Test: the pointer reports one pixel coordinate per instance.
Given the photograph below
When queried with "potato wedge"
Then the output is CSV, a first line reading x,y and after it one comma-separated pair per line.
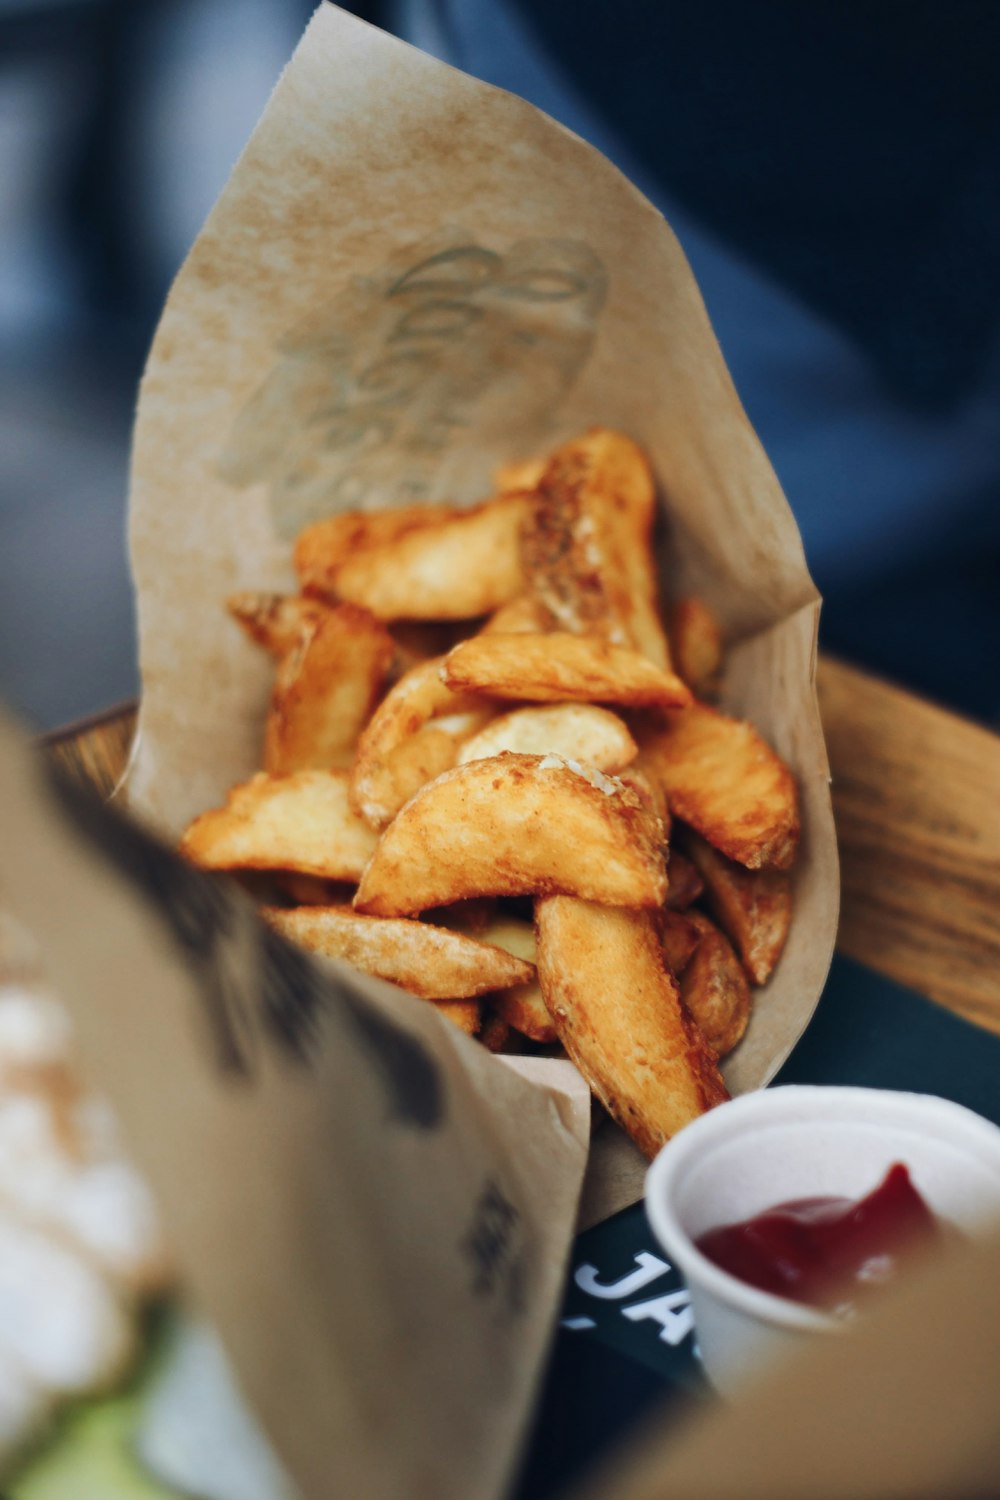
x,y
522,475
495,1032
325,690
580,731
523,615
684,884
300,822
467,1015
618,1014
453,565
753,907
559,667
696,645
723,779
679,937
276,621
714,988
522,1005
587,543
432,962
516,825
393,759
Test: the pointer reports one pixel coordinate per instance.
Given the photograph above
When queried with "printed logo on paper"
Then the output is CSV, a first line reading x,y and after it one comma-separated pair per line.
x,y
371,401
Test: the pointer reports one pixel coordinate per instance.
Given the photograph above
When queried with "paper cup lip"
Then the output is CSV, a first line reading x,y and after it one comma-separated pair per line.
x,y
787,1106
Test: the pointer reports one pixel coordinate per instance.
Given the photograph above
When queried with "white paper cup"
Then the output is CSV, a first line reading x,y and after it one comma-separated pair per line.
x,y
781,1144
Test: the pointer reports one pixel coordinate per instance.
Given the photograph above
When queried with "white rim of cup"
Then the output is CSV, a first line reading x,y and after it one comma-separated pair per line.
x,y
773,1105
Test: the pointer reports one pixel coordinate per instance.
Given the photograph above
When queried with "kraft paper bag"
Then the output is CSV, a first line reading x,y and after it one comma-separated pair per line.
x,y
410,278
372,1210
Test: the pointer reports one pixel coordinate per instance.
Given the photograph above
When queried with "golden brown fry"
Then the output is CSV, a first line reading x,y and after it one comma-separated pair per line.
x,y
276,621
322,548
516,825
557,668
431,962
714,988
618,1014
452,565
696,644
300,822
397,754
521,475
587,543
522,1005
723,779
649,791
580,731
525,614
467,1015
325,690
753,907
684,884
679,937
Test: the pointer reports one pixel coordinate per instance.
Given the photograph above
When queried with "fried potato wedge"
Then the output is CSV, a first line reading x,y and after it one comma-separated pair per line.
x,y
587,543
300,822
432,962
723,779
696,645
523,615
684,884
714,988
325,690
401,750
516,825
618,1013
522,1006
753,907
452,565
679,937
467,1015
522,475
580,731
276,621
559,667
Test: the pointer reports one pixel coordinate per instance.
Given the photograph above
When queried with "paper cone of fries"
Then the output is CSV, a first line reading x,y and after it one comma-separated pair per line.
x,y
364,413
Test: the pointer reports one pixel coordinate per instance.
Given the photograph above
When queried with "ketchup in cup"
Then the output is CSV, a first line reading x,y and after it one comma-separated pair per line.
x,y
827,1251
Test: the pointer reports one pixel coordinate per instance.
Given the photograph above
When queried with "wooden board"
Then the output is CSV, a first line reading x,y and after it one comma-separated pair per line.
x,y
916,795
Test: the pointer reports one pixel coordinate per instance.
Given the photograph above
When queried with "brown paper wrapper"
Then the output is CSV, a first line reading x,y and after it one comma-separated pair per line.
x,y
380,1249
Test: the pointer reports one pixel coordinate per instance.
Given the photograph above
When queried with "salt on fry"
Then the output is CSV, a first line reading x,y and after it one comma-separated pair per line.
x,y
581,731
516,825
586,543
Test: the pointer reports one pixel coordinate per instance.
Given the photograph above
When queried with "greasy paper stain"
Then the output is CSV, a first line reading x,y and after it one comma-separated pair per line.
x,y
367,396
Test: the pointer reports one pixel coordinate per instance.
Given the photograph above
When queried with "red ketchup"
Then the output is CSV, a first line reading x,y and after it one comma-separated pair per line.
x,y
827,1251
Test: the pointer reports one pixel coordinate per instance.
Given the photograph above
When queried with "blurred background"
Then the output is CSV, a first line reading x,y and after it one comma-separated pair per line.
x,y
832,170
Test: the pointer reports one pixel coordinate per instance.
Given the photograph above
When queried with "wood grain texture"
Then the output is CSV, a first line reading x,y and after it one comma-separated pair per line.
x,y
916,798
916,795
